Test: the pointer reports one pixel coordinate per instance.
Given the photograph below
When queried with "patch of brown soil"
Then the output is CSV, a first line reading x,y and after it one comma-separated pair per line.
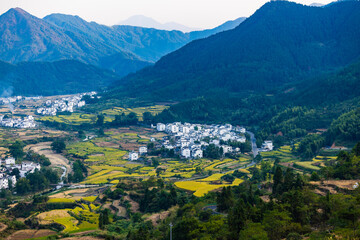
x,y
30,233
134,205
3,227
121,210
265,198
107,144
342,184
55,159
156,218
83,238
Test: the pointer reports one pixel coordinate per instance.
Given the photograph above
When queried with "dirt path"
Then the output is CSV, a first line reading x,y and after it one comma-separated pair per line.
x,y
134,205
26,234
3,227
55,159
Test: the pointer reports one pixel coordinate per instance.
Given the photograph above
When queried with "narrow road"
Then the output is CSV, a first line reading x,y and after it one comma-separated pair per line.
x,y
255,150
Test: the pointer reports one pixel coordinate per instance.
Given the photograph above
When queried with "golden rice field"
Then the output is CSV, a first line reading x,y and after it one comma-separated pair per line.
x,y
107,173
284,154
319,161
74,118
307,165
202,188
139,111
71,224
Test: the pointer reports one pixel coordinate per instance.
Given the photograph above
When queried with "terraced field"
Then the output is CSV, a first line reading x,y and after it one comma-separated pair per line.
x,y
66,217
139,111
74,118
200,188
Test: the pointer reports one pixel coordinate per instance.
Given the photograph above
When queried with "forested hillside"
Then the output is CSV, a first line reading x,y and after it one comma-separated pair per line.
x,y
266,51
53,78
123,49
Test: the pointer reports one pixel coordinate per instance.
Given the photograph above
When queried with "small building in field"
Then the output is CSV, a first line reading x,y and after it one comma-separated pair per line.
x,y
267,146
143,150
133,156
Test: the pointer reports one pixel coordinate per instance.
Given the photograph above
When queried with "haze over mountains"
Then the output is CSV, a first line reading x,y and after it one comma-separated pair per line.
x,y
147,22
283,42
122,49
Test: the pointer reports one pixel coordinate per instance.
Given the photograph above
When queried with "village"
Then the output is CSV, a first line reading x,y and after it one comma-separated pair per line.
x,y
10,122
10,100
65,104
7,176
189,140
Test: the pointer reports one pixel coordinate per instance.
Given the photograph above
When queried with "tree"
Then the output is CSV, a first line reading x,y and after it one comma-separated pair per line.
x,y
15,172
58,146
253,231
237,218
100,120
104,218
23,186
17,150
314,176
276,224
155,162
148,118
225,199
278,180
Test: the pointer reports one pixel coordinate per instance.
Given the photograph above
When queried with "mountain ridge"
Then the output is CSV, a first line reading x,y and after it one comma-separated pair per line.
x,y
24,37
265,51
147,22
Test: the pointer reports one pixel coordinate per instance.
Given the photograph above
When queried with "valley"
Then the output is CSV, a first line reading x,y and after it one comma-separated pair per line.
x,y
249,130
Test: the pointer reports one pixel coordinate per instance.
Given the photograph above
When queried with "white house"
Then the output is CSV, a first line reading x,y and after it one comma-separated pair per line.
x,y
197,153
267,146
186,153
226,149
240,129
133,156
143,150
10,161
4,183
160,127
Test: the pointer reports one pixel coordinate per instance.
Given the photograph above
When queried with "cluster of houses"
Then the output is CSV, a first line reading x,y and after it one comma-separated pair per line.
x,y
25,122
8,165
9,100
189,140
65,104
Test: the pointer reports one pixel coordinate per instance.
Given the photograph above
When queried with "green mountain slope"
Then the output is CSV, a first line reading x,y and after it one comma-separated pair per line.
x,y
281,43
52,78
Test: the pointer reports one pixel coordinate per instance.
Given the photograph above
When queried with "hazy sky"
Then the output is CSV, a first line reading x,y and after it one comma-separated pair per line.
x,y
192,13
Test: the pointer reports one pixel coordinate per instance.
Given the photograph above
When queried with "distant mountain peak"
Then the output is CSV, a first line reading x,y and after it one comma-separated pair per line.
x,y
148,22
317,5
17,11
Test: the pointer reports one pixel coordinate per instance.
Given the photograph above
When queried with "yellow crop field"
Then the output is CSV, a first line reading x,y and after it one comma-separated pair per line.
x,y
61,200
74,118
89,199
214,177
139,110
201,188
69,222
307,165
94,153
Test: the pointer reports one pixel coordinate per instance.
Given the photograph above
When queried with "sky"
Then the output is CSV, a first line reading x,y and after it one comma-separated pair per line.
x,y
200,14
